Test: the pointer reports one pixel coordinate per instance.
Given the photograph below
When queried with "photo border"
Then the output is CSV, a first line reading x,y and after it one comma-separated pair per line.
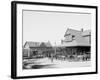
x,y
14,38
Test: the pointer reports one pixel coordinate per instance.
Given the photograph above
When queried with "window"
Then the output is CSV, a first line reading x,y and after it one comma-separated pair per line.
x,y
73,37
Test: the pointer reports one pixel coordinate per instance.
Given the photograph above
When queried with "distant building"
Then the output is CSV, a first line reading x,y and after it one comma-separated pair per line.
x,y
30,44
77,42
35,48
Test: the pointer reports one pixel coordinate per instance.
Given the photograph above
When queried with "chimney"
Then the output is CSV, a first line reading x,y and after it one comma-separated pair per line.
x,y
82,29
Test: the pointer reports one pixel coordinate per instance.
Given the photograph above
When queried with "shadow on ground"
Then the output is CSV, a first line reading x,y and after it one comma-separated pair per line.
x,y
40,66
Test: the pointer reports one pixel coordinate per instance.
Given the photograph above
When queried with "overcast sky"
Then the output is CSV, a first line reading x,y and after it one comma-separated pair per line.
x,y
39,26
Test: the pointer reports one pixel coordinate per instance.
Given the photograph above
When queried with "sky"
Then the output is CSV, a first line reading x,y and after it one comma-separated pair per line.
x,y
42,26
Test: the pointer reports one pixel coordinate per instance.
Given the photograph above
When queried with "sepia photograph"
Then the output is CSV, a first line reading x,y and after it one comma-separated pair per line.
x,y
53,39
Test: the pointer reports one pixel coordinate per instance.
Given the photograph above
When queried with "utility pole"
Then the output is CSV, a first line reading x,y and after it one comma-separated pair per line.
x,y
90,38
55,47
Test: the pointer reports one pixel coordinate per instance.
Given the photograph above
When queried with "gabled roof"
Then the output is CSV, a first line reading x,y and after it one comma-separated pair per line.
x,y
32,44
48,44
38,44
86,32
45,44
71,31
81,41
